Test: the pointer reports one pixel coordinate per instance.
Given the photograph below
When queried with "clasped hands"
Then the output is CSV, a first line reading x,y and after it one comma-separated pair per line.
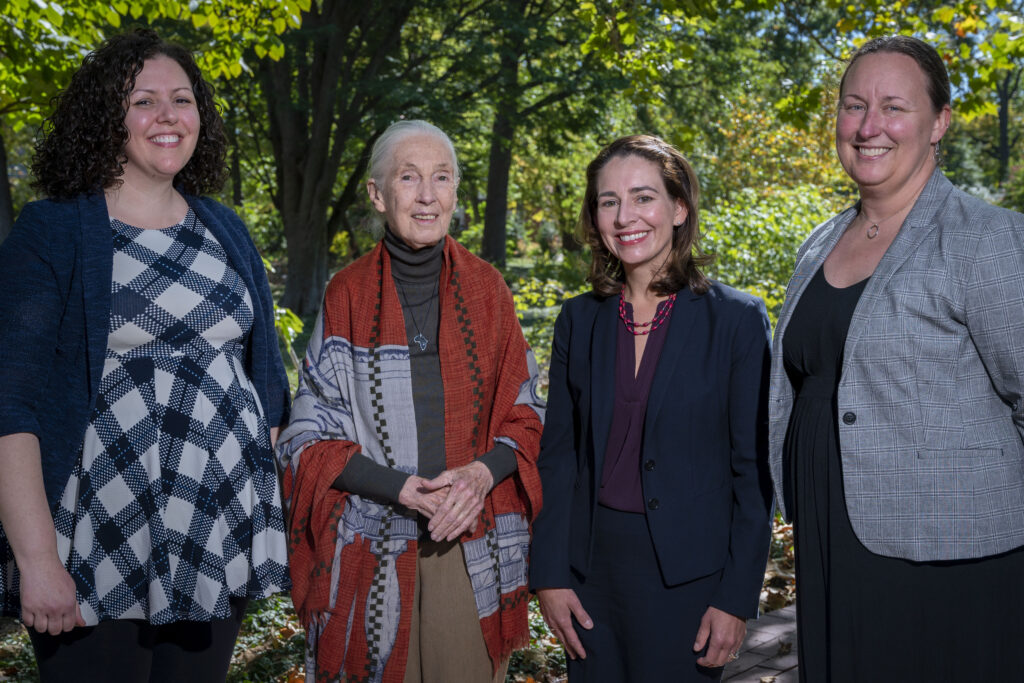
x,y
452,500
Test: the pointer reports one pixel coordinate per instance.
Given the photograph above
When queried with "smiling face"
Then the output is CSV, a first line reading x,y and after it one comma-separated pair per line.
x,y
635,214
887,127
417,194
162,121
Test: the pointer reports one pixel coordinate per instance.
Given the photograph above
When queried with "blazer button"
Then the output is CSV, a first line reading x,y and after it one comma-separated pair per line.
x,y
653,504
849,417
649,465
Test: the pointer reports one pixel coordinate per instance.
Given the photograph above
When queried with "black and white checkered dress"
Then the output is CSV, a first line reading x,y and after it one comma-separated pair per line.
x,y
175,505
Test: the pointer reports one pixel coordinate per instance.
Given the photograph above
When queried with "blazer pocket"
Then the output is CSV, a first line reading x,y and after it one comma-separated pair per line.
x,y
961,454
975,473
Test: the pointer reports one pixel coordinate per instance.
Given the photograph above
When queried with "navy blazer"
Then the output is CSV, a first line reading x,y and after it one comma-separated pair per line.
x,y
705,475
55,274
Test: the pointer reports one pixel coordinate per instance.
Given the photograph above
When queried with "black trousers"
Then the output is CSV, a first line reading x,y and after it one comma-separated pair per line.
x,y
135,651
643,629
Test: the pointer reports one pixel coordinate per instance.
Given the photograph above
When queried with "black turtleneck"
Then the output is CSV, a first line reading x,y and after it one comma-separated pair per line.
x,y
416,274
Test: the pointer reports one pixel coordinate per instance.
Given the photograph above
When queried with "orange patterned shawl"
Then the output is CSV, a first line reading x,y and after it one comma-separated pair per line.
x,y
353,560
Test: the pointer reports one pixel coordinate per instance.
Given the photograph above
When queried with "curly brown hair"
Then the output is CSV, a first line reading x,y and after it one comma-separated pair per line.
x,y
682,268
81,145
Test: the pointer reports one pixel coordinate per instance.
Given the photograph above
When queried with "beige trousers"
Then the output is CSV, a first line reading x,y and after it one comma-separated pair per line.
x,y
446,644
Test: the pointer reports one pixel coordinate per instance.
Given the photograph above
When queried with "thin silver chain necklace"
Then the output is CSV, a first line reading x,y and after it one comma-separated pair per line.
x,y
420,339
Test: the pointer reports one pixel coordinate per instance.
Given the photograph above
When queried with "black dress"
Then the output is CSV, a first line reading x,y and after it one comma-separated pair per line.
x,y
861,617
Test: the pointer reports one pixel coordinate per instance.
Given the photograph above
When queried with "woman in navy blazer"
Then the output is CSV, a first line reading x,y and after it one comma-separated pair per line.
x,y
140,385
649,553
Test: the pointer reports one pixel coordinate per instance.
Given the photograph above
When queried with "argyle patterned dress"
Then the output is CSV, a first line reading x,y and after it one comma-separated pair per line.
x,y
174,506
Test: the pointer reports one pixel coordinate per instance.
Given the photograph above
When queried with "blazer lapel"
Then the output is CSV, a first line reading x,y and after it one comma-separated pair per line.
x,y
809,264
97,269
684,316
602,376
917,226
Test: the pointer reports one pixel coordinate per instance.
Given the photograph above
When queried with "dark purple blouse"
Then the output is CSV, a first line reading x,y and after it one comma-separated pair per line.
x,y
620,478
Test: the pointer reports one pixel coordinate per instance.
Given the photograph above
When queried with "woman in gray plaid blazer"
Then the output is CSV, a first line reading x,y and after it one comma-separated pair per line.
x,y
897,420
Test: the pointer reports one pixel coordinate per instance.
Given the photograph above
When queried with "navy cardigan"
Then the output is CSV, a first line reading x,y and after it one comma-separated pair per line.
x,y
55,274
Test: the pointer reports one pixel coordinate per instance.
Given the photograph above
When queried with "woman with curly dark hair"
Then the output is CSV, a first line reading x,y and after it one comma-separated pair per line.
x,y
141,387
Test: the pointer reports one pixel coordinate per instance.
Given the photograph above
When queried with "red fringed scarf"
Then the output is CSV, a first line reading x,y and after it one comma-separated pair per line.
x,y
489,393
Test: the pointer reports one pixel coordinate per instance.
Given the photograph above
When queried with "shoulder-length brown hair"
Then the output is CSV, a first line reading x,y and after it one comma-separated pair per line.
x,y
682,268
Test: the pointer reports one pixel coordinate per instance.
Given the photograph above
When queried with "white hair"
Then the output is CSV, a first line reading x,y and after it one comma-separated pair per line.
x,y
384,149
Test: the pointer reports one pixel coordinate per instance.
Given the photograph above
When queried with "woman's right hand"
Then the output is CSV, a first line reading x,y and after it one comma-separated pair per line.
x,y
48,600
559,606
415,495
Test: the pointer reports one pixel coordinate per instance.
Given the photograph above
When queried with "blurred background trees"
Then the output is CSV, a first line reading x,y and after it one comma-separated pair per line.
x,y
529,90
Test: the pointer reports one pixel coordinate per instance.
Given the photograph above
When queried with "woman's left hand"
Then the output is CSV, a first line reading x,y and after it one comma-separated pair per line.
x,y
723,634
458,514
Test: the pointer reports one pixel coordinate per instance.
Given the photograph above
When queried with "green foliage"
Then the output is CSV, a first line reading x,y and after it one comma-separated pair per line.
x,y
42,41
755,237
270,645
17,661
540,285
289,327
544,660
980,41
1014,196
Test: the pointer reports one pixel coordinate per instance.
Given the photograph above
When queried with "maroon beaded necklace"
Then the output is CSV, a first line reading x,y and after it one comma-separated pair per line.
x,y
654,323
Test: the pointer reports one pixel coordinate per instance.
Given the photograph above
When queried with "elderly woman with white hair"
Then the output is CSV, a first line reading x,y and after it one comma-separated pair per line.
x,y
410,460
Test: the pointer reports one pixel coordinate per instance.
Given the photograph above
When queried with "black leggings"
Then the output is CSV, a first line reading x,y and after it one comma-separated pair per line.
x,y
135,651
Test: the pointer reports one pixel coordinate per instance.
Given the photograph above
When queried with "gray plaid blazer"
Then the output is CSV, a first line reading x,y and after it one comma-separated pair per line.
x,y
929,409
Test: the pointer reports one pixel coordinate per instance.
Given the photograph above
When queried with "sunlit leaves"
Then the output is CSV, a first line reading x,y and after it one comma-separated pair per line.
x,y
42,42
756,236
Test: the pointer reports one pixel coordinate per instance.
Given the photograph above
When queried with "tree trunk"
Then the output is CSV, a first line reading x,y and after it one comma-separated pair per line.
x,y
316,107
1005,92
306,235
499,163
498,167
6,203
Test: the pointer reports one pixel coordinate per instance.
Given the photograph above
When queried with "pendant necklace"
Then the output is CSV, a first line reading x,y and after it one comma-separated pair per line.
x,y
872,230
421,340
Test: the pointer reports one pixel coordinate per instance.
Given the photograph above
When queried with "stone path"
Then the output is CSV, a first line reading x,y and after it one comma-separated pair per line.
x,y
768,654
